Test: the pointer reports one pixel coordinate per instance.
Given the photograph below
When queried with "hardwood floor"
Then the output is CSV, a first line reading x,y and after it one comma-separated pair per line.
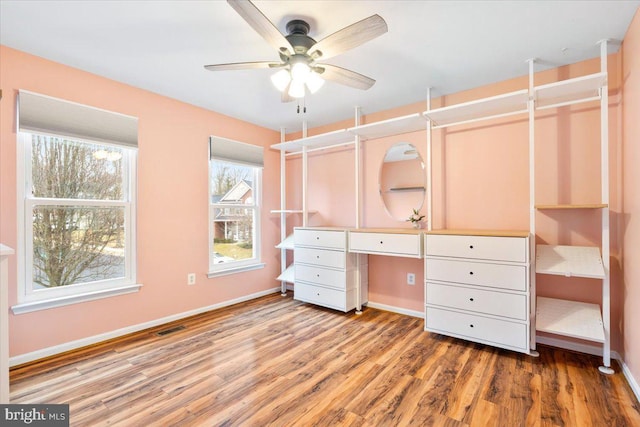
x,y
275,361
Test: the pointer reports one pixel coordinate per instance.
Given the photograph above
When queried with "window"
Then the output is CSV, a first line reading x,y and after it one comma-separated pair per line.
x,y
77,213
235,177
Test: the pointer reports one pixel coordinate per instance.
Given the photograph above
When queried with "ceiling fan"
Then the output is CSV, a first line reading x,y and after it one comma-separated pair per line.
x,y
298,52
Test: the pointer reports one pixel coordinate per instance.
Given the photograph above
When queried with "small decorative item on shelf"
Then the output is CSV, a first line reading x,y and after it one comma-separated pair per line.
x,y
416,218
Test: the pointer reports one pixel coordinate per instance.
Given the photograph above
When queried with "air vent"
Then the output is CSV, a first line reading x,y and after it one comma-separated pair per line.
x,y
170,330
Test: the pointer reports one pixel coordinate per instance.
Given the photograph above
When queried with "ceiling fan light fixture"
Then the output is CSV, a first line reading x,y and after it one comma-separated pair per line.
x,y
281,79
296,90
314,82
300,71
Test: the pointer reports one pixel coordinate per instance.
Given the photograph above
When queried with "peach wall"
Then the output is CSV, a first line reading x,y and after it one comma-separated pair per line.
x,y
631,211
172,234
481,180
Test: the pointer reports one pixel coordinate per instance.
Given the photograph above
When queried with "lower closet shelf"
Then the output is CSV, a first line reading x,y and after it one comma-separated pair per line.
x,y
569,318
288,275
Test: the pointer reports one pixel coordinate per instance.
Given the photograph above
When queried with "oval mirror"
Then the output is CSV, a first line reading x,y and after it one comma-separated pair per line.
x,y
402,180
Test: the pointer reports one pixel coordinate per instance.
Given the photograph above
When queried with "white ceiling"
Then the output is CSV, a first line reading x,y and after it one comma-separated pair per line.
x,y
450,46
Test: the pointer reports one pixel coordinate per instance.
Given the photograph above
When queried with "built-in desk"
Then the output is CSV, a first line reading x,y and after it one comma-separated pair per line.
x,y
401,242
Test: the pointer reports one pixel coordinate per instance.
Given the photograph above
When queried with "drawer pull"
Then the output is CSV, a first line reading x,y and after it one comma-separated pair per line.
x,y
471,273
381,242
318,294
317,256
470,246
471,299
317,237
317,275
471,326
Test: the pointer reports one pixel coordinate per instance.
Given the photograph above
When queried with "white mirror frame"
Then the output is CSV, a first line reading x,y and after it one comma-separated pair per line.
x,y
402,181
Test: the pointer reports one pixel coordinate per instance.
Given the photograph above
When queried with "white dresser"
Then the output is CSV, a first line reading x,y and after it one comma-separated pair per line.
x,y
325,273
477,287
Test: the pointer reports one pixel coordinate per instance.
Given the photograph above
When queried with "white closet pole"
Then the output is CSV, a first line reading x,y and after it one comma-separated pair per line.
x,y
429,166
305,164
532,211
357,168
357,223
283,214
604,170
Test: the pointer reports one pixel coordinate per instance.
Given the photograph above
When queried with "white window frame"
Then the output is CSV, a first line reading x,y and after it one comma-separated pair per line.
x,y
30,300
245,264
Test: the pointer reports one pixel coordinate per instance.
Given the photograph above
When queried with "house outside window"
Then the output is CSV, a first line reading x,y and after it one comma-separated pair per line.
x,y
234,207
76,209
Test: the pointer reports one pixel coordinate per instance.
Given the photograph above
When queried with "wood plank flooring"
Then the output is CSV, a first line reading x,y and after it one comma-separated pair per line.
x,y
275,361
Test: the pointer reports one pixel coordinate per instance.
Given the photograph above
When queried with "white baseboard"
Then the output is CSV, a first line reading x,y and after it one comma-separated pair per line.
x,y
61,348
394,309
629,376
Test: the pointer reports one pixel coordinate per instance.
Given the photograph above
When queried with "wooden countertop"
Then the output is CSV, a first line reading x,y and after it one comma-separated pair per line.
x,y
461,232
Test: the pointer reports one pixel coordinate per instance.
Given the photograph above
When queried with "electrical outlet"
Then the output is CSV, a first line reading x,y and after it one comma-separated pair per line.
x,y
191,279
411,279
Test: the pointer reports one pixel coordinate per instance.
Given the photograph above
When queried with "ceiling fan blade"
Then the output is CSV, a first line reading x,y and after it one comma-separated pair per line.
x,y
349,37
346,77
261,24
242,66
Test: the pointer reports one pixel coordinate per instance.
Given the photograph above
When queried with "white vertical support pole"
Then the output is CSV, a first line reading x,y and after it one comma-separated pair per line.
x,y
357,167
604,180
283,214
429,166
357,222
429,195
531,107
305,166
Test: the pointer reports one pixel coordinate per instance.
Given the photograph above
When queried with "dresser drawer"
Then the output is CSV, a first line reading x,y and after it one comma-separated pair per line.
x,y
512,249
332,298
320,257
320,238
477,300
320,275
513,277
397,244
477,328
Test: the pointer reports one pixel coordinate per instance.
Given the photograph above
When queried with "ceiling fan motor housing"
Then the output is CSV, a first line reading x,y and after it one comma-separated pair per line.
x,y
297,31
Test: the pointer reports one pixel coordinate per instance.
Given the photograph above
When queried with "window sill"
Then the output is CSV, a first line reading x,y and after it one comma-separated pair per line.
x,y
29,307
234,270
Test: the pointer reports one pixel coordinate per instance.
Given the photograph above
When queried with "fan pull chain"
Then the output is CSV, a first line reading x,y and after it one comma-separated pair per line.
x,y
304,106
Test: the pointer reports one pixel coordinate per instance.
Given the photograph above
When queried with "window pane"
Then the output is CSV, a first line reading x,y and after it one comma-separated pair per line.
x,y
231,183
232,236
67,169
77,245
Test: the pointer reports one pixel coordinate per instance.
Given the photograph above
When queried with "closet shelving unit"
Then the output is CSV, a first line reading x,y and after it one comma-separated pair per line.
x,y
341,137
567,317
574,319
490,108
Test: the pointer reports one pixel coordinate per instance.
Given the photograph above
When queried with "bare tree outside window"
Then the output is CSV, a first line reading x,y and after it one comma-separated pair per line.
x,y
76,242
225,176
